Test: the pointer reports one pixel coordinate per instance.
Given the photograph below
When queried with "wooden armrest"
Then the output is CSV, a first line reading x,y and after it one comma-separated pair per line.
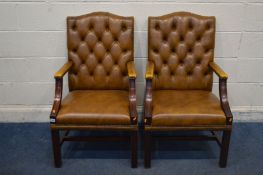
x,y
132,101
63,70
58,90
218,70
131,69
132,92
223,91
224,100
149,70
148,102
57,100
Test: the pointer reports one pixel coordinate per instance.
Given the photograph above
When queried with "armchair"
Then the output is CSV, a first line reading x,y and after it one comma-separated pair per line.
x,y
179,77
101,79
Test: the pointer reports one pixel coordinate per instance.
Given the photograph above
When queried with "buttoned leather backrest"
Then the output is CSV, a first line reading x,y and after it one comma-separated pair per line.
x,y
100,45
181,45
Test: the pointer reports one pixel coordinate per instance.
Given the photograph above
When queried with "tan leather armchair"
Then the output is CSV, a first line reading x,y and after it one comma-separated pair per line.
x,y
179,79
101,80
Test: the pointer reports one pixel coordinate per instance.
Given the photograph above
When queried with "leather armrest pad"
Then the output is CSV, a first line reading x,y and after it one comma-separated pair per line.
x,y
149,70
218,70
63,70
131,69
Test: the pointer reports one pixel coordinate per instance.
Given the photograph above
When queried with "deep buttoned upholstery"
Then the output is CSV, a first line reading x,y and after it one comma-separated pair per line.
x,y
179,78
181,47
100,45
101,81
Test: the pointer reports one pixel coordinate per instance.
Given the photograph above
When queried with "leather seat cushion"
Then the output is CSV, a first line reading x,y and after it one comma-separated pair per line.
x,y
95,107
186,108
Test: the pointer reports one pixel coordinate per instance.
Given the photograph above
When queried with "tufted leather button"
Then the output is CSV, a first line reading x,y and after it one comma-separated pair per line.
x,y
74,26
207,50
157,26
91,50
107,26
124,50
181,38
208,26
164,62
189,73
173,50
123,27
115,39
198,61
124,73
190,24
198,38
190,50
165,38
91,26
83,38
174,24
181,62
155,50
75,50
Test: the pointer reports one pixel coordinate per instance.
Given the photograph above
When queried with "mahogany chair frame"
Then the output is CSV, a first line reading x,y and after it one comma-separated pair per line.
x,y
149,129
132,129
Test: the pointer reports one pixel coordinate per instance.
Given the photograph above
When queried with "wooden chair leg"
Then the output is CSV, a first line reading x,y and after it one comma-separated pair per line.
x,y
134,147
224,149
56,148
147,149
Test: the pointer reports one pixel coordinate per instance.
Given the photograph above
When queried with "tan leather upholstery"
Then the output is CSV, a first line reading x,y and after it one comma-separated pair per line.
x,y
186,108
100,45
101,79
179,77
179,72
101,72
90,107
181,45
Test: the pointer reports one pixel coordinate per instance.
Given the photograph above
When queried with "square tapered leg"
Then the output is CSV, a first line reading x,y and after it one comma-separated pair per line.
x,y
56,148
224,149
